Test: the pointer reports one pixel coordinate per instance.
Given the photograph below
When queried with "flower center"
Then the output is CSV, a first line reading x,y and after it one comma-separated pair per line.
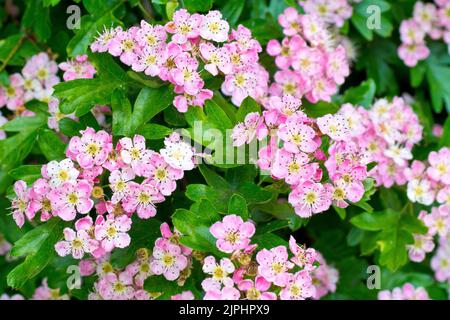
x,y
72,198
144,197
277,267
168,260
92,149
111,231
63,175
77,244
295,290
161,174
214,27
232,237
310,197
42,74
253,294
218,273
135,153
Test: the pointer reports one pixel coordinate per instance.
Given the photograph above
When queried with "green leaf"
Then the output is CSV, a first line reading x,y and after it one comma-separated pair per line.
x,y
320,108
213,179
362,16
28,173
149,103
121,113
249,105
195,230
237,205
232,10
38,247
361,95
194,6
24,123
217,117
437,74
445,139
51,145
26,49
153,131
394,232
37,19
81,95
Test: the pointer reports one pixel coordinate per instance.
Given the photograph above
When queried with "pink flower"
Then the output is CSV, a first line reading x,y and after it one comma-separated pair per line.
x,y
240,85
182,102
185,295
5,246
168,260
103,42
184,26
420,191
185,74
290,21
91,149
79,242
216,58
116,287
232,233
150,60
133,152
304,258
337,65
119,183
286,52
334,126
423,244
297,136
290,166
438,221
80,68
213,27
439,169
142,199
411,54
257,290
411,32
44,292
324,277
112,232
20,204
161,174
309,198
441,261
226,293
151,36
140,270
274,265
244,132
219,273
298,287
71,198
124,45
407,292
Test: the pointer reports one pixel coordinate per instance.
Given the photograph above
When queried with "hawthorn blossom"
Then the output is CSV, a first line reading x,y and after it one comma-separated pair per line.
x,y
185,295
71,198
274,265
298,287
77,242
116,287
20,203
168,260
232,233
79,68
257,289
226,293
177,153
112,232
217,59
304,258
213,27
119,183
309,198
297,136
161,174
184,26
141,199
92,148
133,152
58,173
219,273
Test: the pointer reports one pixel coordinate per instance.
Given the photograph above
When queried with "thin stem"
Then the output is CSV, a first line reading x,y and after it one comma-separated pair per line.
x,y
12,53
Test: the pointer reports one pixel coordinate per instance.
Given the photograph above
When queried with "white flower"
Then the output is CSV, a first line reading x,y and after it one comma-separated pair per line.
x,y
398,154
60,172
420,191
178,154
214,28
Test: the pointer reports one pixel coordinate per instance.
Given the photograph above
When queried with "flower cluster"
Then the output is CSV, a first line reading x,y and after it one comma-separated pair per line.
x,y
407,292
309,63
138,179
331,12
35,81
175,52
271,274
386,132
440,262
430,181
429,19
168,258
299,159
